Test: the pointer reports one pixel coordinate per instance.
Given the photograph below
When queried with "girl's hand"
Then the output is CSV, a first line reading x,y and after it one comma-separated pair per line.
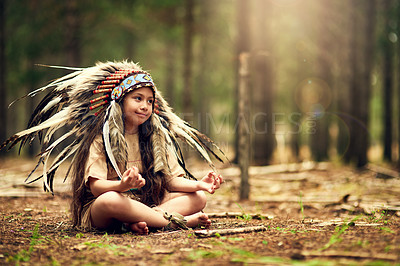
x,y
132,179
211,182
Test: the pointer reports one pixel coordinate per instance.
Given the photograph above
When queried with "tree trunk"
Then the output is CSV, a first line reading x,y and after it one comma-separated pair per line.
x,y
387,83
368,53
242,46
170,78
72,33
398,90
361,80
243,126
188,56
202,95
3,91
262,126
353,80
319,142
345,51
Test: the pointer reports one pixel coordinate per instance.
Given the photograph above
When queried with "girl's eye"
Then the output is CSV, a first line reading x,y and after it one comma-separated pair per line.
x,y
138,98
150,101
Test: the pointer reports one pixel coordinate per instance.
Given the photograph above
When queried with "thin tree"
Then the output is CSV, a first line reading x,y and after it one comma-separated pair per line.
x,y
171,51
361,80
319,142
242,96
204,60
243,126
262,126
242,46
344,67
387,73
3,91
368,54
72,33
188,56
398,85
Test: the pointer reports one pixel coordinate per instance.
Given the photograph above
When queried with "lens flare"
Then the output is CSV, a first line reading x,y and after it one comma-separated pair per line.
x,y
313,95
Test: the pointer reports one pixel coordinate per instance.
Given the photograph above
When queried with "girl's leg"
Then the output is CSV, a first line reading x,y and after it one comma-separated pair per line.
x,y
184,203
188,204
112,205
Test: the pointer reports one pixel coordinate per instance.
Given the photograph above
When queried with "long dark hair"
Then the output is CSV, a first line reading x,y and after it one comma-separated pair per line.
x,y
80,194
151,194
154,190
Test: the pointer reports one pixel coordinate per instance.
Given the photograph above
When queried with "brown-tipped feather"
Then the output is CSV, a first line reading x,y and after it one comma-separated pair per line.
x,y
66,106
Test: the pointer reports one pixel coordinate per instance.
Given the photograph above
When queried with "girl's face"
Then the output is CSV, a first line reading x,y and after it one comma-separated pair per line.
x,y
137,107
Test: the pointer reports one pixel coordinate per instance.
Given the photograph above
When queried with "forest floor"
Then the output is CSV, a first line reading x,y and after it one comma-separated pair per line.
x,y
299,214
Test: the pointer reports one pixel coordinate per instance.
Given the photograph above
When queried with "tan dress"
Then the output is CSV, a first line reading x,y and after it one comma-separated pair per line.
x,y
96,167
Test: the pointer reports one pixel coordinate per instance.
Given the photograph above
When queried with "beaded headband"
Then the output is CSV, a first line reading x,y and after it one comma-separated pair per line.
x,y
127,81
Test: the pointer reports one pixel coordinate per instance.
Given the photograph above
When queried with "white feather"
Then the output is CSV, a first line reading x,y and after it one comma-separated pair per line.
x,y
57,119
107,145
51,104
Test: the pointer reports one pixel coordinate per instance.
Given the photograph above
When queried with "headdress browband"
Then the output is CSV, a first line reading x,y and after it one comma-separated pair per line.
x,y
118,84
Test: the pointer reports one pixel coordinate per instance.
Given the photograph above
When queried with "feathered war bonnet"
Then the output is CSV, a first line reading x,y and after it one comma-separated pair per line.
x,y
84,101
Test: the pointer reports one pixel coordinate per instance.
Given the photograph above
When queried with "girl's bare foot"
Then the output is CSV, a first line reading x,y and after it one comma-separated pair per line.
x,y
139,228
198,219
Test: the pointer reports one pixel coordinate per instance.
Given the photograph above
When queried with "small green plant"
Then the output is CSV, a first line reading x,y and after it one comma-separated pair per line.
x,y
388,248
203,254
243,252
244,216
387,230
301,205
25,255
106,245
362,243
379,216
79,235
339,231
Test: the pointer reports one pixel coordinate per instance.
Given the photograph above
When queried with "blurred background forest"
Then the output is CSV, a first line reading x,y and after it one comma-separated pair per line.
x,y
323,81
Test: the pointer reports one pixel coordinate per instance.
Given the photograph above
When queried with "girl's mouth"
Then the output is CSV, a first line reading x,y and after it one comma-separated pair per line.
x,y
141,114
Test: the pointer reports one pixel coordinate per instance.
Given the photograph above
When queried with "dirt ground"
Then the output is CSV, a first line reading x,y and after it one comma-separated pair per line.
x,y
301,214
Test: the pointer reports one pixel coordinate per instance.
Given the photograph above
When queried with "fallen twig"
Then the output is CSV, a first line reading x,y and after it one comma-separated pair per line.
x,y
354,255
382,172
239,214
277,168
220,232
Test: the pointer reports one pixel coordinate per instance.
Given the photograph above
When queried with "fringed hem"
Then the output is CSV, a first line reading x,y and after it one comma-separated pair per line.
x,y
86,222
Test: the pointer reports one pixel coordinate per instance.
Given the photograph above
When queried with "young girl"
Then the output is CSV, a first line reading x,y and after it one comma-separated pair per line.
x,y
127,166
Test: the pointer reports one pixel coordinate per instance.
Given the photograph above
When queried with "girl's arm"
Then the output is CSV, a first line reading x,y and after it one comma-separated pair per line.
x,y
208,183
130,179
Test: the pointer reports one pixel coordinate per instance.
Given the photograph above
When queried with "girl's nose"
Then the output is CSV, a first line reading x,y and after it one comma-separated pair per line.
x,y
143,106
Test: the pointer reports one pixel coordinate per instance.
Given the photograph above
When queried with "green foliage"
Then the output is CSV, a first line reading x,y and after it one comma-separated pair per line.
x,y
25,255
204,254
387,230
380,216
244,216
339,231
148,32
152,33
301,205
